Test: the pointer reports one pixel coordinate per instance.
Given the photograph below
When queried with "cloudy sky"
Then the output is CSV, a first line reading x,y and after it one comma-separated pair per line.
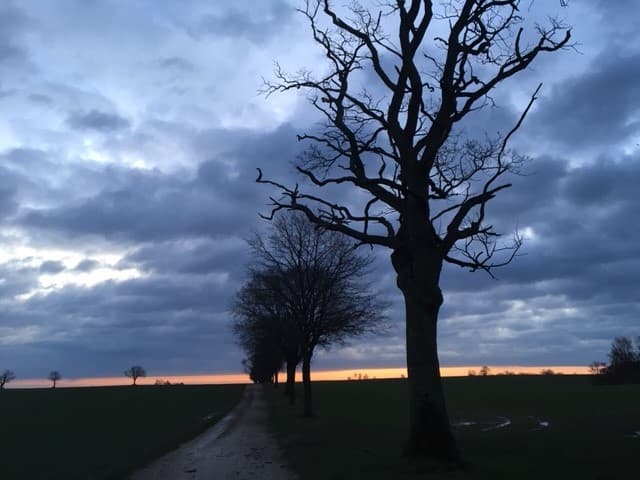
x,y
129,137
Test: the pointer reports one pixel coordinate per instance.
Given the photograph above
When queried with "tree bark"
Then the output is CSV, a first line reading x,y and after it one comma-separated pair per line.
x,y
290,388
306,382
418,270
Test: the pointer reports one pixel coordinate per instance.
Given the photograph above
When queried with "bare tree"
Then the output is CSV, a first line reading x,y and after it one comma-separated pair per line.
x,y
263,329
6,377
135,372
54,376
622,352
396,138
484,371
314,288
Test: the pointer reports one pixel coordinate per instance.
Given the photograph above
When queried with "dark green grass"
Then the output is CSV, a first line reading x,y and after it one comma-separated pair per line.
x,y
100,433
360,427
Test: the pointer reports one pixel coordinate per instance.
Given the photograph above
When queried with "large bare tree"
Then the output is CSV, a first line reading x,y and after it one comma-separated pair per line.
x,y
391,105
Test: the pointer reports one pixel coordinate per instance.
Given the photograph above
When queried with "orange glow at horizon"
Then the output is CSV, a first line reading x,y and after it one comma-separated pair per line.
x,y
343,374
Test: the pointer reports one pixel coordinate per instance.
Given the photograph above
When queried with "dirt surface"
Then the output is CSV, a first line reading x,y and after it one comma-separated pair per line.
x,y
237,447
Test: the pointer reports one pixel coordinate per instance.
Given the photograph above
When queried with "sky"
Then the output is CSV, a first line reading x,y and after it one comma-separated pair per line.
x,y
130,134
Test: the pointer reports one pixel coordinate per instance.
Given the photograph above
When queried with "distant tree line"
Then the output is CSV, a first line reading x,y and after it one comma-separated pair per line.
x,y
624,363
306,288
55,376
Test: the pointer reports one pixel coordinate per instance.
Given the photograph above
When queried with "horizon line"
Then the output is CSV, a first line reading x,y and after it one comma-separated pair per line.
x,y
370,373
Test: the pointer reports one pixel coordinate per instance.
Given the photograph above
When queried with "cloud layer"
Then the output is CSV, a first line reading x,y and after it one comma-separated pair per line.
x,y
129,144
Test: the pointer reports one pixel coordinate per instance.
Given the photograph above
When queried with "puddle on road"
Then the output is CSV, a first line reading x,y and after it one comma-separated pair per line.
x,y
502,422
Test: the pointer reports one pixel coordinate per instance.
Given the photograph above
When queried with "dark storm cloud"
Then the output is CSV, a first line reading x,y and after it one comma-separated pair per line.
x,y
13,23
86,265
98,121
257,26
149,205
16,278
197,257
51,266
41,99
138,320
8,205
176,63
574,288
597,108
180,224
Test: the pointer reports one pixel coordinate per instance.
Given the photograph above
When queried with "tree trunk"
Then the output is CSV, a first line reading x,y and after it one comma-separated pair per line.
x,y
418,276
306,382
275,379
290,388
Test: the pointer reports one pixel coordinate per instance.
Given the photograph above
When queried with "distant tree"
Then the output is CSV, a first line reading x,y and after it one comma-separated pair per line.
x,y
624,362
389,164
484,371
6,377
547,371
597,368
54,376
135,372
311,292
622,352
472,373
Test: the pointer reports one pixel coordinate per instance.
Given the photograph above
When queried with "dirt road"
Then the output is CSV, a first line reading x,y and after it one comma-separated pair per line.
x,y
237,447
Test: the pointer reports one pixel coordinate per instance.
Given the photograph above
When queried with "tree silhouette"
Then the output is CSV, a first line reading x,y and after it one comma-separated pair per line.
x,y
392,107
624,362
54,376
262,329
135,372
622,352
6,377
307,289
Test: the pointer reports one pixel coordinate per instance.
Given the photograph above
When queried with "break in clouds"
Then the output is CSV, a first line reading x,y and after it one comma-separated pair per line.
x,y
129,141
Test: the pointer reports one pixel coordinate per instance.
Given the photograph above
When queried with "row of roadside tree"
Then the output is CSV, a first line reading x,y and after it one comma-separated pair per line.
x,y
306,289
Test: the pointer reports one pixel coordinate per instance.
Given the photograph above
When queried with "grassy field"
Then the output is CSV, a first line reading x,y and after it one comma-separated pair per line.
x,y
101,433
361,425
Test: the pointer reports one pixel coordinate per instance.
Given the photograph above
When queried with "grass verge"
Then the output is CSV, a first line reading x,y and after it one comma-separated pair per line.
x,y
360,426
102,432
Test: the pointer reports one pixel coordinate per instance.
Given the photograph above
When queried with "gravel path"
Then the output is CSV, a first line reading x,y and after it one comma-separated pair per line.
x,y
237,447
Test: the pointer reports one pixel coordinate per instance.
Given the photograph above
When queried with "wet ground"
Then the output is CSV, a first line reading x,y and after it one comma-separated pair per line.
x,y
237,447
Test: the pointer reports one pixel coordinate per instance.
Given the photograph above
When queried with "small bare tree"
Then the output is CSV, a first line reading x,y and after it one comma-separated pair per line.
x,y
135,372
392,107
6,377
54,376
